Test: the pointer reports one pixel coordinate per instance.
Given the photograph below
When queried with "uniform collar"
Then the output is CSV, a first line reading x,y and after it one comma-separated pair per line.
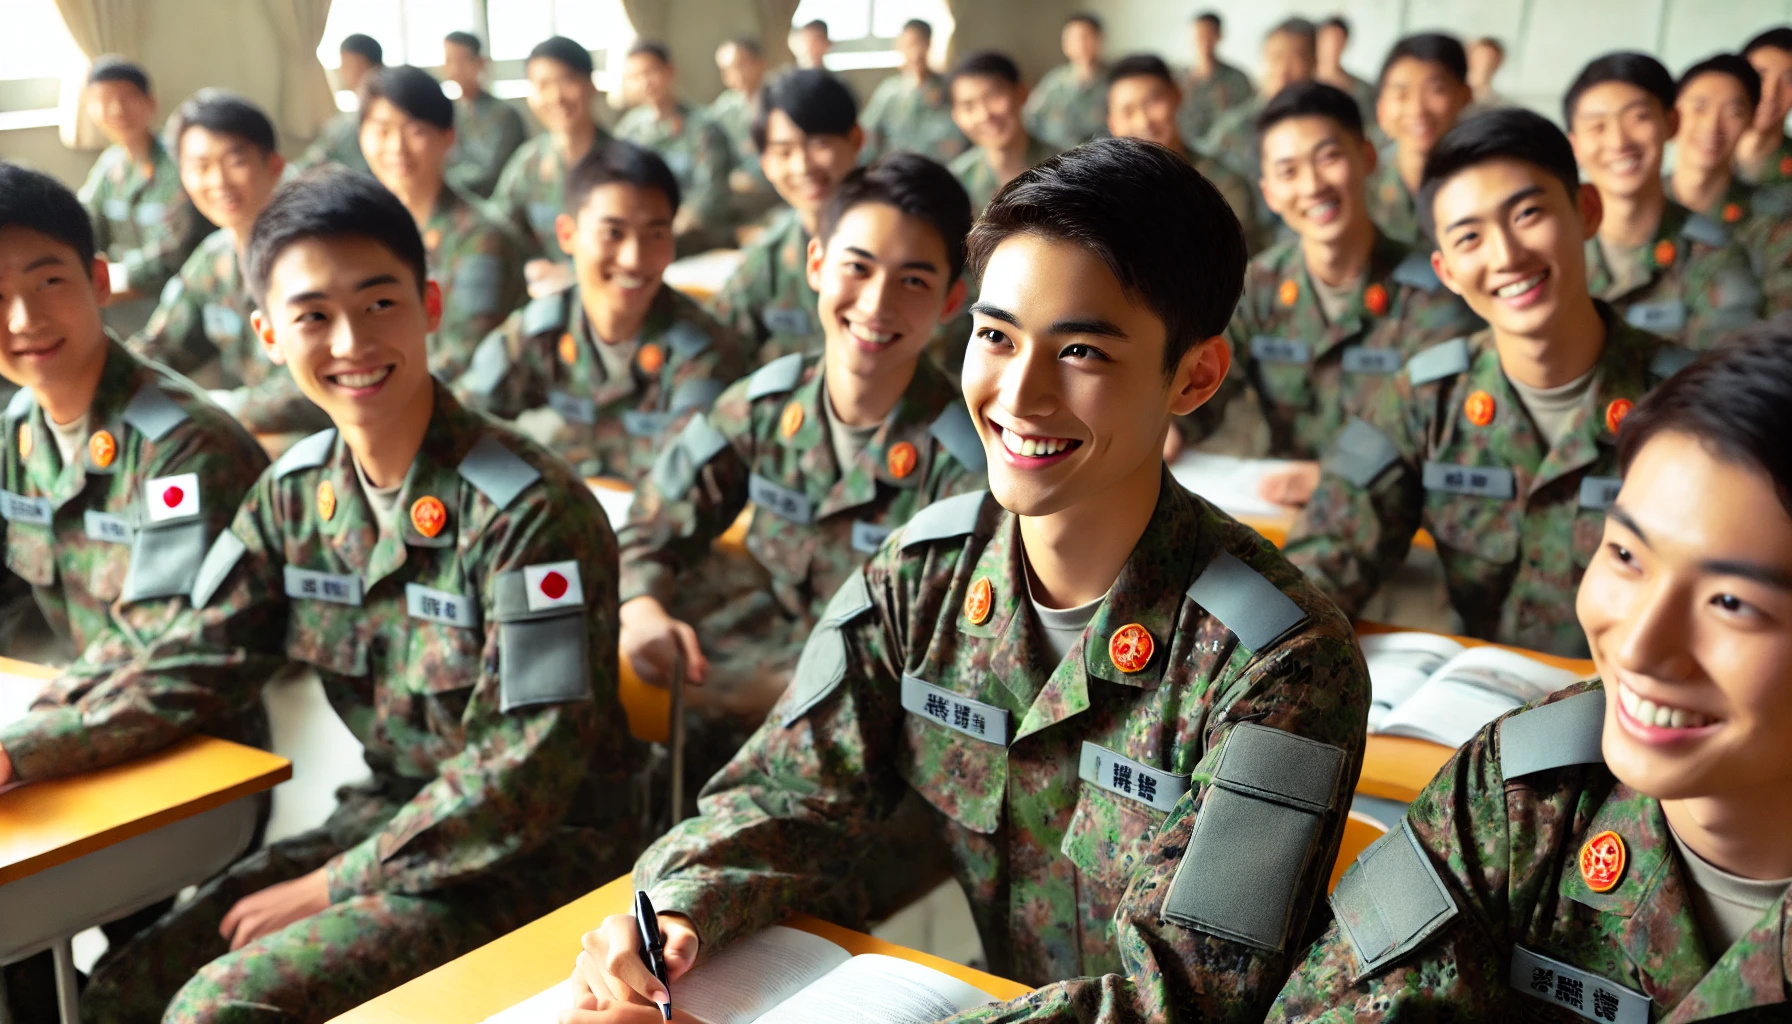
x,y
659,320
118,383
1385,254
1620,375
1666,242
834,487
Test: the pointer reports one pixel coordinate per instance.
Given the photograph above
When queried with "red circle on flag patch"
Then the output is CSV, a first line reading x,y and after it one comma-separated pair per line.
x,y
171,497
553,585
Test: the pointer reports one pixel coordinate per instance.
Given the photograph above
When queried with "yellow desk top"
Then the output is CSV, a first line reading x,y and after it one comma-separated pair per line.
x,y
1275,530
536,956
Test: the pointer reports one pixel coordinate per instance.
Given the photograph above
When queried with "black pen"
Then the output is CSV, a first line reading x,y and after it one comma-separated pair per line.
x,y
653,945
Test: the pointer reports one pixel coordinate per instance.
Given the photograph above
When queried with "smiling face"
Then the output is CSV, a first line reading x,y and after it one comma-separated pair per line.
x,y
1687,608
462,67
647,79
741,69
1065,377
1287,59
49,309
1313,173
1080,42
404,152
804,168
1144,107
882,283
121,110
1419,101
1511,243
621,244
1619,132
1714,112
228,177
987,110
1775,68
559,97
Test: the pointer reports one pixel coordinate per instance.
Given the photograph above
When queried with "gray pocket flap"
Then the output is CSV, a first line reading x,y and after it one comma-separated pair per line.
x,y
165,560
543,661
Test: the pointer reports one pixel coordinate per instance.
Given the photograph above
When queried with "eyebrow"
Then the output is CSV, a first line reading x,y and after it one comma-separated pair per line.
x,y
44,261
624,221
313,296
927,265
1506,204
1766,575
1095,325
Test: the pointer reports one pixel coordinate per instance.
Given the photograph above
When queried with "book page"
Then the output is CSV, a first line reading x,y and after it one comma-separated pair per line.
x,y
1399,663
876,989
615,504
1470,690
16,695
741,983
1230,482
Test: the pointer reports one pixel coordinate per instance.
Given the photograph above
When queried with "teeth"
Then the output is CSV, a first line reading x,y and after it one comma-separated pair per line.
x,y
363,380
630,281
869,336
1661,716
1322,210
1033,447
1520,287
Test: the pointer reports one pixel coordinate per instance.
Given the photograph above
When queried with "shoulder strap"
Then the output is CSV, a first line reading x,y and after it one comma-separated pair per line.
x,y
1391,900
497,472
1554,735
686,339
948,517
20,405
1360,453
1445,359
152,413
1415,271
1670,359
1701,228
545,314
776,377
306,454
956,433
1254,609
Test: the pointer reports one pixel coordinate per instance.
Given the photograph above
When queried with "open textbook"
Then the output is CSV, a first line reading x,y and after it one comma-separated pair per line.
x,y
786,976
1434,688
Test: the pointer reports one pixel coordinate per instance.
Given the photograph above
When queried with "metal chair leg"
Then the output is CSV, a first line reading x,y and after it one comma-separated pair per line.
x,y
677,739
68,996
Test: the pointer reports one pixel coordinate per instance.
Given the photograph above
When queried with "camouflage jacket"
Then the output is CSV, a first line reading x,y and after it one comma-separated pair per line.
x,y
486,131
732,112
696,150
814,522
545,358
1448,446
1775,170
1761,219
1233,139
1246,200
145,223
1205,99
1312,377
476,259
767,300
910,117
531,193
972,170
110,545
1391,204
338,143
1092,811
1698,282
1475,907
468,642
1066,111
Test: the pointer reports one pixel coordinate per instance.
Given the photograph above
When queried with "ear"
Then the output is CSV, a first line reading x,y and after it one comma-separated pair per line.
x,y
955,297
565,230
101,276
265,331
812,265
277,164
857,138
1591,209
1371,157
1673,122
1202,370
1442,270
432,304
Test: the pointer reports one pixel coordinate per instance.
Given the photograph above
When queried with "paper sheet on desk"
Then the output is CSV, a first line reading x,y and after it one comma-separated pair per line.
x,y
706,272
615,504
1230,482
16,695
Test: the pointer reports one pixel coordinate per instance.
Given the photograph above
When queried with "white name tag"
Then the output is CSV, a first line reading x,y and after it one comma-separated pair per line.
x,y
1280,350
1122,776
311,585
780,501
973,718
450,609
104,526
16,508
644,424
786,321
1573,989
573,408
553,585
1371,360
1599,491
1666,315
1478,481
868,537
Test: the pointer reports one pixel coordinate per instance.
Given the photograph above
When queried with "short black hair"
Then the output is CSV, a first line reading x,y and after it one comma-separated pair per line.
x,y
1089,18
32,199
1726,64
750,44
1337,21
918,25
819,103
1508,133
913,184
1299,28
1440,48
113,68
1735,399
1213,18
1162,230
364,45
412,90
465,39
563,51
619,162
1627,66
1310,99
651,47
1141,65
1780,38
332,202
987,64
224,113
817,25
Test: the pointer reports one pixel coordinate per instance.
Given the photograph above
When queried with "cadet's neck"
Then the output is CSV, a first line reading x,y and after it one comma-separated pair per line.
x,y
1409,163
1203,65
666,109
469,93
1085,69
386,450
1077,553
1631,220
576,140
141,150
1008,160
419,197
1699,188
1344,259
1568,347
611,325
864,401
1738,832
915,73
68,397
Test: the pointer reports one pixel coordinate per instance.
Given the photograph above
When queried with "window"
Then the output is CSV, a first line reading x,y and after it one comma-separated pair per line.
x,y
864,31
35,52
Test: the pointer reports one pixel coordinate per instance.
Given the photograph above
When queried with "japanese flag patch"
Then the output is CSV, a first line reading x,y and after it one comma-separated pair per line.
x,y
553,585
172,497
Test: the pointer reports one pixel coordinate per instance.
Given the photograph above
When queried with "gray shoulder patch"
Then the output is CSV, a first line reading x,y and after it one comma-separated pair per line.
x,y
1415,272
20,404
850,601
222,557
1360,454
675,471
545,314
543,657
152,413
1671,359
1280,766
1391,900
823,662
695,393
490,362
686,339
948,517
1553,736
1701,228
165,560
1445,359
958,435
308,453
1250,606
776,377
497,472
1774,201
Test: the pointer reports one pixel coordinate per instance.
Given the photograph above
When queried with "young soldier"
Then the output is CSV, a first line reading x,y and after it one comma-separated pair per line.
x,y
407,129
1764,156
1485,56
810,44
451,584
986,104
806,128
1330,40
340,140
531,191
741,62
1715,101
1499,444
596,373
1069,107
1424,89
1097,681
911,111
695,148
487,130
1214,86
1613,853
1288,57
1665,269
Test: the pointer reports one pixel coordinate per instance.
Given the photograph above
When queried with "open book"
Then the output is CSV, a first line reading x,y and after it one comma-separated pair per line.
x,y
786,976
1434,688
1230,482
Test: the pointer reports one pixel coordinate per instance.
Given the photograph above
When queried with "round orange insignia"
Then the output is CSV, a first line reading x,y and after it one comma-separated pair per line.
x,y
792,420
651,358
1732,212
1478,407
25,441
432,238
1375,299
1130,648
1665,253
103,447
978,601
1288,293
901,459
326,501
569,348
1786,166
428,515
1602,861
1615,413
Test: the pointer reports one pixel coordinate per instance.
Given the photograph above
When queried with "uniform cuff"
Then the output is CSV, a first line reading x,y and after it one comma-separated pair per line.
x,y
691,900
355,871
42,745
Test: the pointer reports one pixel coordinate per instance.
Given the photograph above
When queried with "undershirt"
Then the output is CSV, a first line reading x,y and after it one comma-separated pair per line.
x,y
383,499
1553,409
1626,265
849,442
1061,627
616,358
68,436
1727,906
1333,302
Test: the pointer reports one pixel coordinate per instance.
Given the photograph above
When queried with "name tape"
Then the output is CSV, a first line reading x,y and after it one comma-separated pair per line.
x,y
972,717
1573,989
450,609
780,501
311,585
1136,781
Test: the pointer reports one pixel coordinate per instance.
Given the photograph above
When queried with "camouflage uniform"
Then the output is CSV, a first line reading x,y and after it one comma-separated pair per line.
x,y
1698,282
1233,139
532,192
1245,199
1205,99
1515,521
545,358
972,170
910,117
147,224
767,300
475,258
338,143
1068,792
1391,204
1761,220
476,664
1066,111
1775,170
732,112
1475,908
699,156
486,131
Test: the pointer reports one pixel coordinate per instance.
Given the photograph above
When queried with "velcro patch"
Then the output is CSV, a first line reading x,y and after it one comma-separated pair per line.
x,y
16,508
475,285
787,321
1437,362
639,423
1267,349
1599,492
1361,453
167,498
223,556
1391,900
443,606
553,585
1134,780
572,408
780,501
1553,735
1664,317
1371,360
108,528
974,718
311,585
1476,481
675,471
1254,609
868,537
165,560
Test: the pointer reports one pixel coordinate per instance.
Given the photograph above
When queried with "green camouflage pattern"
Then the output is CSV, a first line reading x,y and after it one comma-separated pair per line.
x,y
699,155
1391,204
1229,159
732,112
1704,287
1507,852
1760,217
532,192
911,117
487,130
1775,170
1245,199
96,713
767,300
1233,139
1065,881
1066,111
1205,99
338,143
1365,94
1512,566
603,427
973,171
477,260
146,223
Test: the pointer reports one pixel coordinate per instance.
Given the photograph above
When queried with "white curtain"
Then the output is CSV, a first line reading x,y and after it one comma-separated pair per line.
x,y
97,27
306,102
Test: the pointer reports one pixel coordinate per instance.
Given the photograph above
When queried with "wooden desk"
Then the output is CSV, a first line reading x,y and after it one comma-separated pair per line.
x,y
1275,530
532,958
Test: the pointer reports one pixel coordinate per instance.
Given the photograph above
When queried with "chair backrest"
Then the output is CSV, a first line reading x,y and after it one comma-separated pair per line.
x,y
1359,831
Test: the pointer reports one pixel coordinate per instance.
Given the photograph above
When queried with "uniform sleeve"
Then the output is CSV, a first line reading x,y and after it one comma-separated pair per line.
x,y
1727,296
175,334
737,303
485,283
710,199
93,198
508,373
277,406
871,121
168,244
1775,265
510,199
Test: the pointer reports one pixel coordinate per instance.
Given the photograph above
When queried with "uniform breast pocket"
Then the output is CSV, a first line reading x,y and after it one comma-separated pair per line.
x,y
1289,385
1106,840
1482,528
443,665
328,636
31,553
966,778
